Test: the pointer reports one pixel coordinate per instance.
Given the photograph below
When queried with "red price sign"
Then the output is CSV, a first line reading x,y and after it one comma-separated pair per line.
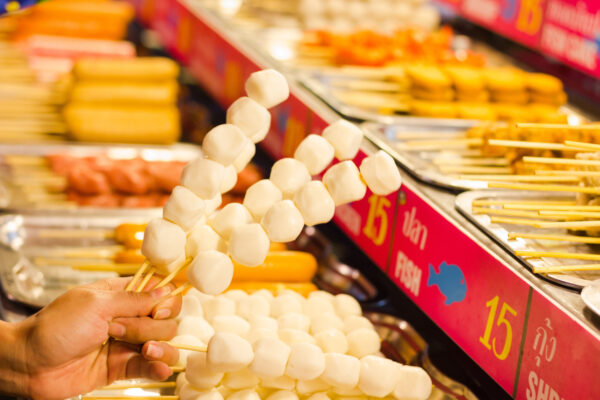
x,y
561,358
571,32
470,294
519,20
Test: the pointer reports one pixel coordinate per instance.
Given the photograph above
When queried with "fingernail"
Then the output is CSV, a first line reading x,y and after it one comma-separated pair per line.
x,y
116,330
163,313
161,292
154,351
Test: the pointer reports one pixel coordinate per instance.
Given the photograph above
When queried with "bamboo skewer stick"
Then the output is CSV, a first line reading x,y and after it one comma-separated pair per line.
x,y
189,347
561,213
523,202
429,135
482,161
550,207
566,268
516,221
544,188
60,233
137,275
140,385
569,224
48,261
583,145
88,252
559,172
533,145
557,254
510,213
121,269
529,125
146,279
25,160
561,161
565,238
460,169
418,145
522,178
466,152
181,289
177,368
173,274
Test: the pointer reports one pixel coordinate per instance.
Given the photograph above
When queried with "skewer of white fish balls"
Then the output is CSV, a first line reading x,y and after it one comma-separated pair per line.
x,y
334,323
273,210
228,148
271,359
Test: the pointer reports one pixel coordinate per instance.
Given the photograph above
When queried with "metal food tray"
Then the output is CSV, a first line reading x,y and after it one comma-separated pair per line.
x,y
499,232
37,286
591,296
317,83
420,163
9,199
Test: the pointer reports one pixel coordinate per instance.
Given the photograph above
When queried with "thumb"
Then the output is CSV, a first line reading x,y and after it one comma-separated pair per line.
x,y
133,304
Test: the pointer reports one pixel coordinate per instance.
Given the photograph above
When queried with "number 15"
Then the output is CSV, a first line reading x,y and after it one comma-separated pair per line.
x,y
485,339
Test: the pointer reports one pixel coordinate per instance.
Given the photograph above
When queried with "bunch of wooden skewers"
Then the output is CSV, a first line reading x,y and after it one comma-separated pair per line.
x,y
539,157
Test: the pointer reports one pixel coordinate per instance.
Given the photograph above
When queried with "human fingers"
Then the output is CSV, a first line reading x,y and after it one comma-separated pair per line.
x,y
116,284
159,351
133,304
142,329
126,363
170,306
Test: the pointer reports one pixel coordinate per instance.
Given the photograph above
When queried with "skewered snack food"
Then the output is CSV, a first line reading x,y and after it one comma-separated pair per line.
x,y
210,270
99,92
288,360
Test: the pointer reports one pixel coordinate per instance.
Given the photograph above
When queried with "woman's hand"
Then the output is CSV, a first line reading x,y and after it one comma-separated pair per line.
x,y
63,350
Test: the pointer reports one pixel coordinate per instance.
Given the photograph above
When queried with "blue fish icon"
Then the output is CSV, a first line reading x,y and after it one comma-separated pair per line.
x,y
450,280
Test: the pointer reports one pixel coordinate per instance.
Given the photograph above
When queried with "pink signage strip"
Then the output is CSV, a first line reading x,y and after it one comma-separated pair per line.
x,y
469,293
568,30
519,20
571,32
561,359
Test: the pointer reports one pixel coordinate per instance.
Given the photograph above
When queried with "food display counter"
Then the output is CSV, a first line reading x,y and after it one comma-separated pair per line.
x,y
534,338
438,243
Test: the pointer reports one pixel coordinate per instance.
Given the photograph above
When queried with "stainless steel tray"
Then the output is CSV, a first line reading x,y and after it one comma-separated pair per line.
x,y
11,199
499,232
591,296
317,83
20,243
421,164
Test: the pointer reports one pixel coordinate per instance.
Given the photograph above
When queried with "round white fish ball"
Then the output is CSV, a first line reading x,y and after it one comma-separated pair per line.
x,y
260,197
363,342
224,143
251,117
210,272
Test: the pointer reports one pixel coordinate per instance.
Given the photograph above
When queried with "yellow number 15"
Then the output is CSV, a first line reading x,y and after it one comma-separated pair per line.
x,y
377,211
485,339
